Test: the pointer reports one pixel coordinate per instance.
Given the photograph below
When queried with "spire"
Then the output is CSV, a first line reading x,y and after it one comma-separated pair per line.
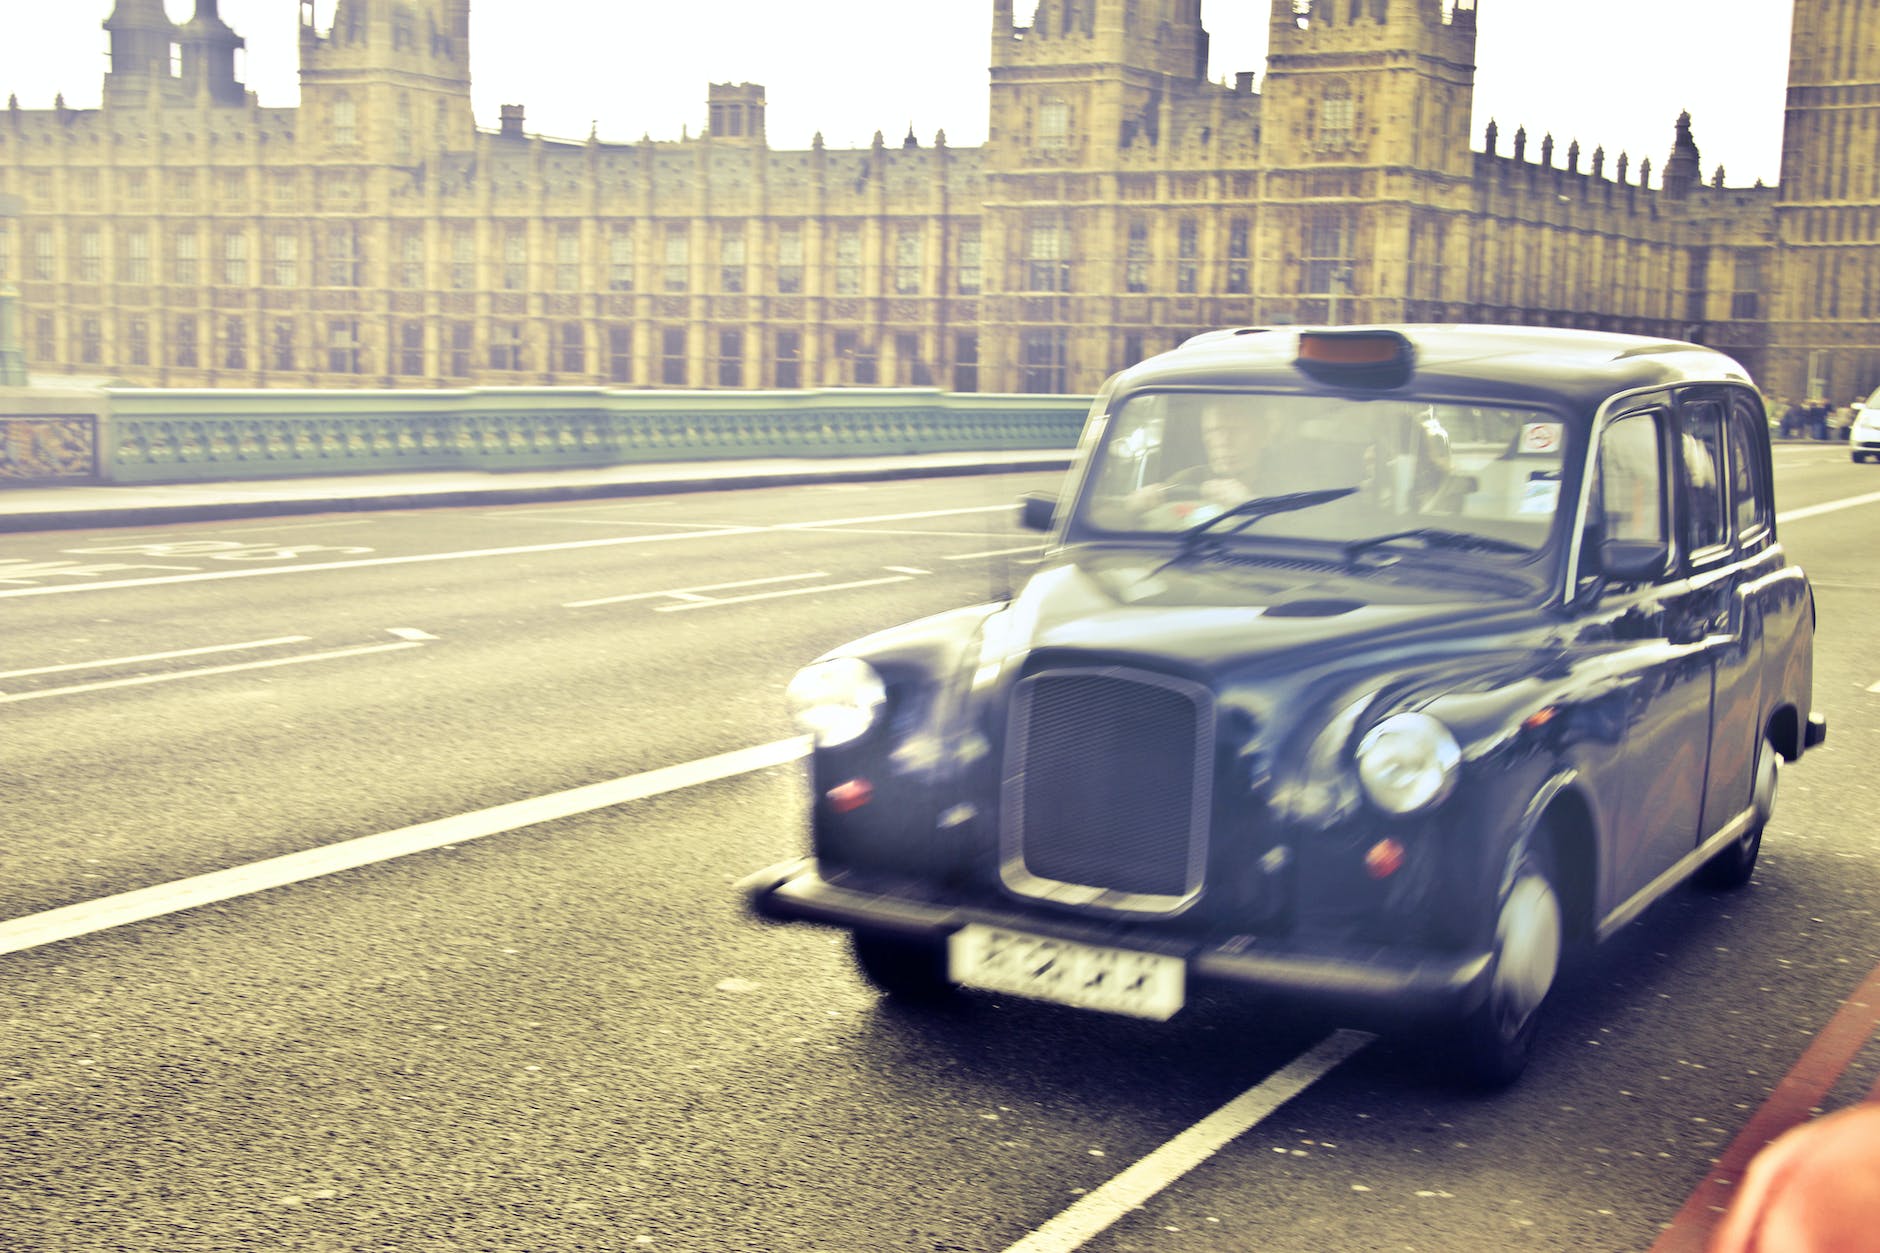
x,y
209,55
1683,171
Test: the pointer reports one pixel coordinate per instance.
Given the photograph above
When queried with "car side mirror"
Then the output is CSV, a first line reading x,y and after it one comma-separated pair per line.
x,y
1037,511
1633,560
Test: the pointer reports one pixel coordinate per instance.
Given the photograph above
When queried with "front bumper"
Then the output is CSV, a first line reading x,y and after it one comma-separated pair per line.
x,y
1396,982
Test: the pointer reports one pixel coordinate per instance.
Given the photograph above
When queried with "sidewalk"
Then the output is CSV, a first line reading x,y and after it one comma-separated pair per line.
x,y
65,507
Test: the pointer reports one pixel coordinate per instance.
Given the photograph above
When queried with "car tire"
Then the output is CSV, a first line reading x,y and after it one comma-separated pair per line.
x,y
1733,866
914,971
1858,457
1493,1042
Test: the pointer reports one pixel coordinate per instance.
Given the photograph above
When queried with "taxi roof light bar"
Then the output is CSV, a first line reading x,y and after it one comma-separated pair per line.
x,y
1361,358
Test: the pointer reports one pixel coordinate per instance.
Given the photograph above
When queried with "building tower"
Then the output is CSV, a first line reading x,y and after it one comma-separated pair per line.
x,y
141,35
209,47
1824,333
389,84
1366,147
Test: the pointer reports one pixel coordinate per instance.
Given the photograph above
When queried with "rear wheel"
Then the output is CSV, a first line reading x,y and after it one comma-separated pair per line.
x,y
1496,1038
907,970
1732,867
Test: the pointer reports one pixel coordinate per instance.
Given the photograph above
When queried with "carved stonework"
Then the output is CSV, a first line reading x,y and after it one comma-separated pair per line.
x,y
673,307
33,448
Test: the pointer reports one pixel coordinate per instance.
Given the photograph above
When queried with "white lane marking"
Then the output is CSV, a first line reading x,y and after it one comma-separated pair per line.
x,y
409,633
795,591
995,552
882,530
663,522
894,517
1875,688
1794,515
612,541
907,569
86,917
511,551
180,652
1095,1212
205,671
687,593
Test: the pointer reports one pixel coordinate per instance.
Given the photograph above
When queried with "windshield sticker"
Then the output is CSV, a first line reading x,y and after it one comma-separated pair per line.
x,y
1541,437
1540,496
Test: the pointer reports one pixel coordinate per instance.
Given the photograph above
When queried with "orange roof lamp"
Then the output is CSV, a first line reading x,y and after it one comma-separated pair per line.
x,y
1357,358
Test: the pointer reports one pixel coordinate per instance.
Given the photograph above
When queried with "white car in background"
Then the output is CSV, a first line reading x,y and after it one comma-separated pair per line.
x,y
1863,438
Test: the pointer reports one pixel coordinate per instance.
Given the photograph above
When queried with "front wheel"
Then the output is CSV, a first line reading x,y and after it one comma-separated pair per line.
x,y
1495,1039
1732,867
914,971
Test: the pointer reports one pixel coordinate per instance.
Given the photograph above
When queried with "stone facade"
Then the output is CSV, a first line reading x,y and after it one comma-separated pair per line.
x,y
181,235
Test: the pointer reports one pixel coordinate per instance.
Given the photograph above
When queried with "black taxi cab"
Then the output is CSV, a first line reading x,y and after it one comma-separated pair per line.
x,y
1371,665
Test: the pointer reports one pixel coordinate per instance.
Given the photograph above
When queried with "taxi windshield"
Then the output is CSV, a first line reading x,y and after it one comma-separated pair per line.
x,y
1386,467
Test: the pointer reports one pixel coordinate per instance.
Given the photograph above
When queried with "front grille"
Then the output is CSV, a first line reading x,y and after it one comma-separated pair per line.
x,y
1106,788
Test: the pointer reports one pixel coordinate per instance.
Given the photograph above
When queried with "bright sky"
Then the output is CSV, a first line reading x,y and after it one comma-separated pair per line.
x,y
1605,72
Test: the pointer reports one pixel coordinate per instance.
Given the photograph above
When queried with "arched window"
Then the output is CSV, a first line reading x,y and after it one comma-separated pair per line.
x,y
1335,116
345,121
1054,124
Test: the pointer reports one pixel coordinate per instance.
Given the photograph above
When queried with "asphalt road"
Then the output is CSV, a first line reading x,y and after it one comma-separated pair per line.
x,y
554,1029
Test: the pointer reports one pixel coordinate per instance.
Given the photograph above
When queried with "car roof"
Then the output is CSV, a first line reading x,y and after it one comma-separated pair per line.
x,y
1574,369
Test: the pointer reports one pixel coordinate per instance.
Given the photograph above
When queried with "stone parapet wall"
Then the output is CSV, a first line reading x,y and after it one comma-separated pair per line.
x,y
152,436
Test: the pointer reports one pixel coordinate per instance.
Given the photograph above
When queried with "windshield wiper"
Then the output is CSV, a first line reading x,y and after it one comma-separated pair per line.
x,y
1437,537
1244,515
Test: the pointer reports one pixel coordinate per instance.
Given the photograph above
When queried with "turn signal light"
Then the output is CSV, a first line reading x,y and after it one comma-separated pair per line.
x,y
848,797
1384,859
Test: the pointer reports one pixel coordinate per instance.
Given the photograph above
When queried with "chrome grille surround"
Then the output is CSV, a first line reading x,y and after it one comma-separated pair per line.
x,y
1106,790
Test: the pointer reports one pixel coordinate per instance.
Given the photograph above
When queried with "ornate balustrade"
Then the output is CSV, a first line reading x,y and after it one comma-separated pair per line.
x,y
153,436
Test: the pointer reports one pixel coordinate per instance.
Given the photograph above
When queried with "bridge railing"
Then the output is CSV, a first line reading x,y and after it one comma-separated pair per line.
x,y
135,435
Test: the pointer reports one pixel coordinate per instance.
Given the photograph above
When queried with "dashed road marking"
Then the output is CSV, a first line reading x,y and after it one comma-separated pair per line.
x,y
178,652
994,552
87,917
1094,1213
691,593
205,671
715,602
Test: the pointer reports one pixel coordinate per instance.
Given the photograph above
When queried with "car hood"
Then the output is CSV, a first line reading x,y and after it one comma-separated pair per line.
x,y
1209,617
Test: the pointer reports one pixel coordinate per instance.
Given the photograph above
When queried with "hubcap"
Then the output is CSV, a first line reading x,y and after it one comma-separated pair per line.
x,y
1528,943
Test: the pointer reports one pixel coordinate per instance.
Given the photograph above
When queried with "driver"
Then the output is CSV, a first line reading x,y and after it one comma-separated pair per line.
x,y
1237,439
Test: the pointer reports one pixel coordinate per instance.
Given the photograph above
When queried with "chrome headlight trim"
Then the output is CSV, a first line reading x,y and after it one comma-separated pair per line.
x,y
837,701
1408,763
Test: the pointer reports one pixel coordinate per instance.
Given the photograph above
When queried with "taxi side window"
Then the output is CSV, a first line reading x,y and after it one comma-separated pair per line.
x,y
1701,484
1749,488
1628,501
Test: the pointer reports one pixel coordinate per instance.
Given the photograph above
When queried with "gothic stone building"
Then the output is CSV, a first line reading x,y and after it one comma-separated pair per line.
x,y
182,235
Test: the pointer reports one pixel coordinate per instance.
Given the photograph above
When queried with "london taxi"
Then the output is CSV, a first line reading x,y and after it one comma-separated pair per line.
x,y
1368,665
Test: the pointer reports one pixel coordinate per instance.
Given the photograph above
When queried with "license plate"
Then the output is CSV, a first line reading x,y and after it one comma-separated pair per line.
x,y
1116,980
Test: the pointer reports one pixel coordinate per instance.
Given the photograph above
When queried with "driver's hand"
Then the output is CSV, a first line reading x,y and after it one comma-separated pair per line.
x,y
1225,492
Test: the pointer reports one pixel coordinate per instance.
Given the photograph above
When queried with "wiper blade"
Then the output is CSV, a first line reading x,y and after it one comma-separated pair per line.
x,y
1244,515
1436,537
1249,512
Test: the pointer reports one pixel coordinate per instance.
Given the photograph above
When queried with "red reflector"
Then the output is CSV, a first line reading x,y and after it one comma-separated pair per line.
x,y
1384,859
1350,349
847,797
1539,718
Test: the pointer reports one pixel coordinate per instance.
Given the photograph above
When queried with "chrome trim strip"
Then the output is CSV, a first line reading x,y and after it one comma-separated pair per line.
x,y
1680,870
1012,870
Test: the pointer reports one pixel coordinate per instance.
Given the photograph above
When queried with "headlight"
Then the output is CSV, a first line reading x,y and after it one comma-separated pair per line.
x,y
1408,763
836,701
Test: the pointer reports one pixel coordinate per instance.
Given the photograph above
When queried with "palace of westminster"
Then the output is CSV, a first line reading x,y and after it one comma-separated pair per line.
x,y
181,235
